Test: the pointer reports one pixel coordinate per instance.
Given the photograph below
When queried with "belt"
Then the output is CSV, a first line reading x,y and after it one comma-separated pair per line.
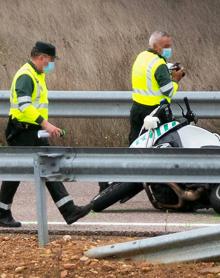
x,y
144,105
24,125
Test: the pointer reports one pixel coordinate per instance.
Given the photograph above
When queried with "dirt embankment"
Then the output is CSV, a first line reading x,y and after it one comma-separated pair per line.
x,y
21,257
97,42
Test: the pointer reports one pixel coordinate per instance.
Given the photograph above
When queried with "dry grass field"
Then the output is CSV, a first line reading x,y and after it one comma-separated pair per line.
x,y
97,41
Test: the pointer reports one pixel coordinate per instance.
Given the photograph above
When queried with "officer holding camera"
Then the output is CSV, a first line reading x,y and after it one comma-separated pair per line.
x,y
152,81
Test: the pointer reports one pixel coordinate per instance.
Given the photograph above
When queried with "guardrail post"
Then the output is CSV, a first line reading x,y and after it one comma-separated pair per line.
x,y
41,203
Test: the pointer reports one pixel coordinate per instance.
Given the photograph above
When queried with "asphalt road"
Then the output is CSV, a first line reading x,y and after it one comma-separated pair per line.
x,y
136,217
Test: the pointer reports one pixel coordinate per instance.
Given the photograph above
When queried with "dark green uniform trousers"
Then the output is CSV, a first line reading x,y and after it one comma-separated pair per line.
x,y
137,114
28,137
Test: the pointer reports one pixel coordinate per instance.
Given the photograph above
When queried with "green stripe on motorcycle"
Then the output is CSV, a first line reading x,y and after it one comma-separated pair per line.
x,y
137,141
166,127
158,131
174,123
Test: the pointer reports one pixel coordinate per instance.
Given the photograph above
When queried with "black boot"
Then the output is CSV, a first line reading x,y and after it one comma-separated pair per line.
x,y
78,213
71,213
7,220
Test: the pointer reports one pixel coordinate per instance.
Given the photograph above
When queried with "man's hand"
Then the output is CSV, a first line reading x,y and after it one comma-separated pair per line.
x,y
51,129
177,75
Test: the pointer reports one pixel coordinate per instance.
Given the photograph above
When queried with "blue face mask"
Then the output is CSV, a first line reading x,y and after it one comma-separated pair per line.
x,y
49,68
167,53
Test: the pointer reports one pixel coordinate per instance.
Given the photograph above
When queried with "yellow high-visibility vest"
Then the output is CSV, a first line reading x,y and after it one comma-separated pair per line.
x,y
145,87
39,98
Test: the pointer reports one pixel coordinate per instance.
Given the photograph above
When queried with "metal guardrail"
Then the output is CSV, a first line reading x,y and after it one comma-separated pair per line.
x,y
111,164
112,104
133,165
41,164
194,245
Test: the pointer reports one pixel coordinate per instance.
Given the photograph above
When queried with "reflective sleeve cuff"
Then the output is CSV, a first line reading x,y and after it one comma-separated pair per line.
x,y
24,99
23,105
167,88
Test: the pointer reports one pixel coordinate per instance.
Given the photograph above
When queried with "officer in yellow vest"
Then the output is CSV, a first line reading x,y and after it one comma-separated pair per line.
x,y
151,80
28,114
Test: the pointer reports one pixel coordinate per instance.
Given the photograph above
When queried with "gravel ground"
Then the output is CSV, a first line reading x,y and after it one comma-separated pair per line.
x,y
64,257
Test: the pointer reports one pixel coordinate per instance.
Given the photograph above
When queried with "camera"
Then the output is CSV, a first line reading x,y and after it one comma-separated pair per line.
x,y
175,66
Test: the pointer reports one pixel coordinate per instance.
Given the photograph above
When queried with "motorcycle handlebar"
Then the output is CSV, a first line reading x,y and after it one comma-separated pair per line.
x,y
187,104
190,116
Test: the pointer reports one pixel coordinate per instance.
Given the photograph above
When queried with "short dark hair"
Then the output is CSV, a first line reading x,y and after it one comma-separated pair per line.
x,y
35,52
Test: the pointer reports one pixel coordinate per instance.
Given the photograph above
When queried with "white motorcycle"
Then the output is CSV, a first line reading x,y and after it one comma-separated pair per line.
x,y
161,130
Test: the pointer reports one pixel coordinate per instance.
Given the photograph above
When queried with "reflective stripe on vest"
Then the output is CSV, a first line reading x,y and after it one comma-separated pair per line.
x,y
151,90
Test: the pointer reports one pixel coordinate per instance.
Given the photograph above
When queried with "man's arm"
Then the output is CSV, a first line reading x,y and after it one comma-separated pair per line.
x,y
168,87
24,88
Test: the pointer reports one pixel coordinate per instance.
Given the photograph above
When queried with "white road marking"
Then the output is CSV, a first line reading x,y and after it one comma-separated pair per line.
x,y
127,224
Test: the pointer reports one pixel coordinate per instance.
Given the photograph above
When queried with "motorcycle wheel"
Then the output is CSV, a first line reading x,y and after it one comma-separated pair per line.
x,y
114,193
214,198
162,196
